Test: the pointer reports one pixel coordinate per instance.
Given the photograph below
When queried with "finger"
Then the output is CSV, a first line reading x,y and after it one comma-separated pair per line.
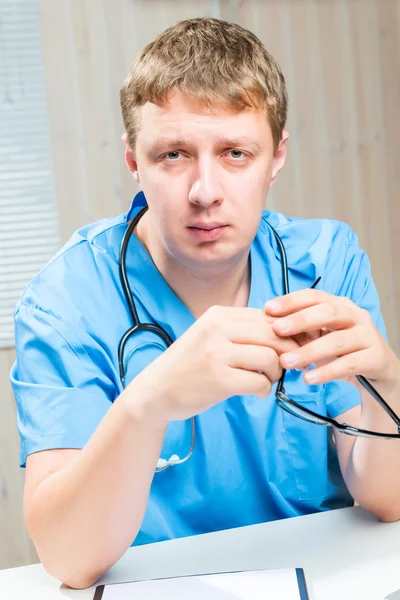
x,y
249,382
259,334
237,313
328,347
332,316
256,358
305,338
295,301
356,363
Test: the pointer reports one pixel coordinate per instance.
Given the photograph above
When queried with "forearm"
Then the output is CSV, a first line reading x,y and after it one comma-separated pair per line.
x,y
373,470
85,516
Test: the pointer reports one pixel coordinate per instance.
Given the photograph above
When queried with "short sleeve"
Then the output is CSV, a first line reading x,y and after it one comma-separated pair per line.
x,y
348,274
63,382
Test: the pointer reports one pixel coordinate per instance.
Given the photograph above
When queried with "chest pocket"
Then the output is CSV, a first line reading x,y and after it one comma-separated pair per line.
x,y
308,447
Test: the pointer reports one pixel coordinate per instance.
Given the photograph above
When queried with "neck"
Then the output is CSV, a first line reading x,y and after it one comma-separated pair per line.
x,y
201,287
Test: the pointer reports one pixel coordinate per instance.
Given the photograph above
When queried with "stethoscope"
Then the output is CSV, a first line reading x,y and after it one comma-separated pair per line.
x,y
137,326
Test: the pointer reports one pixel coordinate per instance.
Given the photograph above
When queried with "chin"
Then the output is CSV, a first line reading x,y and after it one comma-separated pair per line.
x,y
216,255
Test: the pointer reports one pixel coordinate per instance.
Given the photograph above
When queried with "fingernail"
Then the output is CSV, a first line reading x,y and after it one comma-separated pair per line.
x,y
311,377
273,305
290,358
284,325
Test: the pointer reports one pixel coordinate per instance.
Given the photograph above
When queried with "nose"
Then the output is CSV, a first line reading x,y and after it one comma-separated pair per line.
x,y
206,189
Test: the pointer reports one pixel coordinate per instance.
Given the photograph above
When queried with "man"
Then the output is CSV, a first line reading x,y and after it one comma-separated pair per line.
x,y
204,107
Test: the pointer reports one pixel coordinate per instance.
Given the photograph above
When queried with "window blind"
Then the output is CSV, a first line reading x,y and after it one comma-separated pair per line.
x,y
29,232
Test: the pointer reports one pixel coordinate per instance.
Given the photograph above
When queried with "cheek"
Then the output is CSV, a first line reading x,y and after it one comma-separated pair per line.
x,y
253,184
250,196
163,192
169,217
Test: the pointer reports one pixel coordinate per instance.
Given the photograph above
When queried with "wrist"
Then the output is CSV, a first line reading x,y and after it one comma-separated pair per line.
x,y
142,404
389,385
388,390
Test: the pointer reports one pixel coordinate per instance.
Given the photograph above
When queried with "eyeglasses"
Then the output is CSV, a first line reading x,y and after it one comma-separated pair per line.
x,y
306,414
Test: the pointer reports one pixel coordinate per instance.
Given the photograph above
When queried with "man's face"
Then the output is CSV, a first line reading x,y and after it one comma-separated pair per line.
x,y
205,175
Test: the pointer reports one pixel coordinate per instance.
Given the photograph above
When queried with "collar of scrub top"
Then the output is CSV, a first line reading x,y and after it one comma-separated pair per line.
x,y
147,283
304,268
150,287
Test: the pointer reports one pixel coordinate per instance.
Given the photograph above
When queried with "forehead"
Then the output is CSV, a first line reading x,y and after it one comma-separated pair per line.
x,y
182,115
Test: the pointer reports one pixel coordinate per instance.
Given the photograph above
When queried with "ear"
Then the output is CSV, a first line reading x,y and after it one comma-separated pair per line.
x,y
130,158
280,157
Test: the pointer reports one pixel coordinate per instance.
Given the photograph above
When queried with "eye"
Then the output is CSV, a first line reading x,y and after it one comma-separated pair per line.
x,y
237,154
173,155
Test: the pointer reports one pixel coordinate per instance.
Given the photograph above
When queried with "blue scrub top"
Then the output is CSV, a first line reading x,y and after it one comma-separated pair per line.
x,y
252,462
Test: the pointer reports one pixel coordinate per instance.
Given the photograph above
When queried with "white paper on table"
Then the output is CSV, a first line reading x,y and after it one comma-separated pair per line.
x,y
242,585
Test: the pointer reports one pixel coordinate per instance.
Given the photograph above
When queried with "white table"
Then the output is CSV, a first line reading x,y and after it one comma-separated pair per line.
x,y
346,554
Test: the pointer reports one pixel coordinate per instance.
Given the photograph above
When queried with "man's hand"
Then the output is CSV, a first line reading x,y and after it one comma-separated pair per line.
x,y
344,340
227,351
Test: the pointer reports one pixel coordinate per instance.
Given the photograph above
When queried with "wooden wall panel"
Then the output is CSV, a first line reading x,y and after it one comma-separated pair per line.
x,y
387,32
16,549
64,115
369,148
341,60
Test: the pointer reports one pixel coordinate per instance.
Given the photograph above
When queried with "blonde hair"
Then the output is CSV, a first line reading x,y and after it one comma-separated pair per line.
x,y
211,60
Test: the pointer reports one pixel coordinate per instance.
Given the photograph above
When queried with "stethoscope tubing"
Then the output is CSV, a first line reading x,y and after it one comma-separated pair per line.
x,y
159,331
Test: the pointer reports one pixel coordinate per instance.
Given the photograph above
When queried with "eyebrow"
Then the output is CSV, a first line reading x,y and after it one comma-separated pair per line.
x,y
165,141
161,142
239,141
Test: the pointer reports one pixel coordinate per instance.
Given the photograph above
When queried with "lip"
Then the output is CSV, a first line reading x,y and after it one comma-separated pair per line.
x,y
206,226
206,233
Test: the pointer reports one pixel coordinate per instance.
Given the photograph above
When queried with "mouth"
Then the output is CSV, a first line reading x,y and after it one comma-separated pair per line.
x,y
206,226
207,231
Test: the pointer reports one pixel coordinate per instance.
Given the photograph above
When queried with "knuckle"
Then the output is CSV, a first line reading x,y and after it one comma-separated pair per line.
x,y
211,353
214,313
351,368
365,315
340,343
273,367
264,388
347,302
331,310
215,320
270,355
276,374
317,296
